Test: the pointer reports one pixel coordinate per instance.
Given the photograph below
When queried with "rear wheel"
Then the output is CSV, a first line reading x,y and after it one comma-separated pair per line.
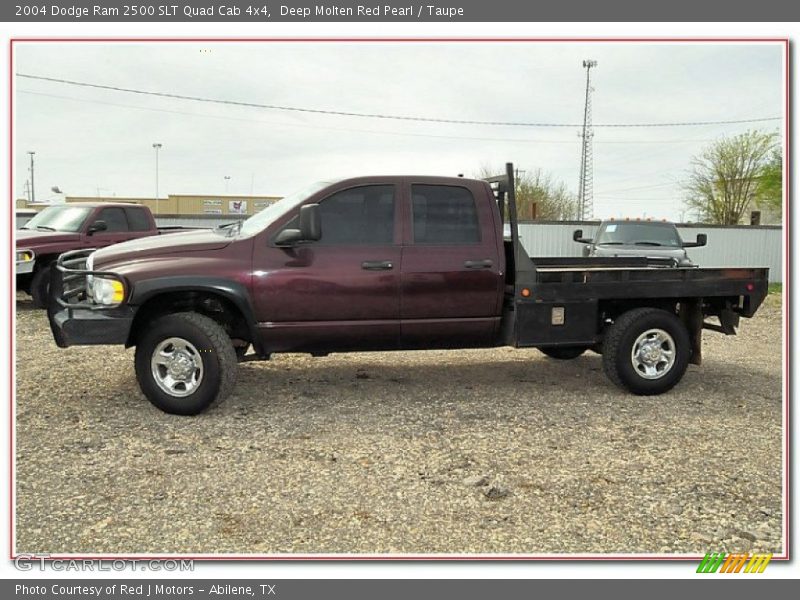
x,y
646,351
40,287
563,352
185,362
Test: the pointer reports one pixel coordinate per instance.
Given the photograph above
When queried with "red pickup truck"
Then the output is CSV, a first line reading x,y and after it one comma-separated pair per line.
x,y
383,263
61,228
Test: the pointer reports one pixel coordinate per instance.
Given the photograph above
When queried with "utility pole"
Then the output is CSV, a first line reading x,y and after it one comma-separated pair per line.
x,y
586,179
157,147
33,194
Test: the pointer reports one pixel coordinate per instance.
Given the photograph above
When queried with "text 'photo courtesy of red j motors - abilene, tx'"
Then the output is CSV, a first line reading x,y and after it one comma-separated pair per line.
x,y
400,299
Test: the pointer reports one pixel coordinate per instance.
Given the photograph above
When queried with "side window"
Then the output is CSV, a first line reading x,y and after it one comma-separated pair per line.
x,y
138,219
362,215
114,218
444,214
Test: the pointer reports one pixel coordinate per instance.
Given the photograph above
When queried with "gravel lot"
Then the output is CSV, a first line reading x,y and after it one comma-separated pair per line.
x,y
488,451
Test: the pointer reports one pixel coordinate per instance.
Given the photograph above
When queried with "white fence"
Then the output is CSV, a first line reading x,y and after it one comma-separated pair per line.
x,y
728,246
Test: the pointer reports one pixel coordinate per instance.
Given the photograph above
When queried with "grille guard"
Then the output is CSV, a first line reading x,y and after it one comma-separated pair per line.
x,y
68,282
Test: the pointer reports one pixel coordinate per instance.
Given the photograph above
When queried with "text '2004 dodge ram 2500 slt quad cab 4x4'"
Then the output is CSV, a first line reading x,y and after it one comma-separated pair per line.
x,y
382,263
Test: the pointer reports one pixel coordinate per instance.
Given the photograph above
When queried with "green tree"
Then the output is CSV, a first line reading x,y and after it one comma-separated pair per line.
x,y
538,195
769,195
726,178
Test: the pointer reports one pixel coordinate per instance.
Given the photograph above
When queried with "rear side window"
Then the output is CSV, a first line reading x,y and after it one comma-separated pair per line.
x,y
362,215
114,218
444,214
137,219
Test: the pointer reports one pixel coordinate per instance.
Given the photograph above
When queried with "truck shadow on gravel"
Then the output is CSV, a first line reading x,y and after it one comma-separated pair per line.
x,y
318,382
25,304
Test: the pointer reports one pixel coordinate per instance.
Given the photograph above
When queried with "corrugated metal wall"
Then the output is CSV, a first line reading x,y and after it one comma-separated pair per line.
x,y
727,246
197,221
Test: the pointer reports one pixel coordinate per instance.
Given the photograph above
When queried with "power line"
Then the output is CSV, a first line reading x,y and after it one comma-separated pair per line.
x,y
641,187
571,142
343,113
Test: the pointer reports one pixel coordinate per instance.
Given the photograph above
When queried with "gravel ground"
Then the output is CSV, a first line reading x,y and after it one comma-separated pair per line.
x,y
486,451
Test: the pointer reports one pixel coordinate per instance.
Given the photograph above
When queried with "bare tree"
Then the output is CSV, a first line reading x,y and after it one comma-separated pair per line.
x,y
538,195
725,178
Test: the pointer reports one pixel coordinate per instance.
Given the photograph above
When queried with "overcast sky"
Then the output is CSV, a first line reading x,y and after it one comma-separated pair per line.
x,y
89,141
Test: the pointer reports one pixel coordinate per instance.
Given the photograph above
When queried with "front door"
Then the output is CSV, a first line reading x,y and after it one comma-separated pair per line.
x,y
451,280
341,292
122,224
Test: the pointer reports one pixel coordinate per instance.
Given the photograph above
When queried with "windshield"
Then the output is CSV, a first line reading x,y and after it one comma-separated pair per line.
x,y
259,221
641,234
59,218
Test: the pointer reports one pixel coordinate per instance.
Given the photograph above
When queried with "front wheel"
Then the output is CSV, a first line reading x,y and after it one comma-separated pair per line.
x,y
40,287
185,362
646,351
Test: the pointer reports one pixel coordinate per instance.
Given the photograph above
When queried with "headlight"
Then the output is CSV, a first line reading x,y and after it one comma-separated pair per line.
x,y
89,278
107,291
24,255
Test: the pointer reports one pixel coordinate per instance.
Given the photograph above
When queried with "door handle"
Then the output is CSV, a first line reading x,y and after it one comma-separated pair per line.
x,y
478,264
377,265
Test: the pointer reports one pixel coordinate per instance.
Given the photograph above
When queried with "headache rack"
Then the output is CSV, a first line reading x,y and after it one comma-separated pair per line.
x,y
68,286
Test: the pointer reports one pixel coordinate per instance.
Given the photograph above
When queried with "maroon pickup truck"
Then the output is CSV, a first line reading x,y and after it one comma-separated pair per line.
x,y
73,226
383,263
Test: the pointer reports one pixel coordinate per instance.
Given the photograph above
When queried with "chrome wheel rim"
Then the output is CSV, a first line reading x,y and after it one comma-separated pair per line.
x,y
177,367
653,354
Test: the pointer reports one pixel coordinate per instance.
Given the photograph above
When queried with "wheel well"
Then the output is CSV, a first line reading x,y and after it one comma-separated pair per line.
x,y
44,260
213,305
614,308
689,311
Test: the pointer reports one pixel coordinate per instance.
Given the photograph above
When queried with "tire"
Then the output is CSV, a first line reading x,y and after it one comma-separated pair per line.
x,y
40,287
201,347
563,352
649,329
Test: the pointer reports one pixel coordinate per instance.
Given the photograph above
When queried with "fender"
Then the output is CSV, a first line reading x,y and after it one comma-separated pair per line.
x,y
235,292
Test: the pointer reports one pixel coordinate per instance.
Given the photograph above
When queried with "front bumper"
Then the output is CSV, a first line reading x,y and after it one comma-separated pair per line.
x,y
82,327
24,267
75,320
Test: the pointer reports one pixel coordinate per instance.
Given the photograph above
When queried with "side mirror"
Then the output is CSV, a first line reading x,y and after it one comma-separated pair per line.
x,y
577,236
288,237
98,225
702,240
310,223
309,228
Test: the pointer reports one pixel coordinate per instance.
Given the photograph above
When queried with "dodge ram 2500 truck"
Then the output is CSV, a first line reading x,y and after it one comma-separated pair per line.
x,y
64,227
383,263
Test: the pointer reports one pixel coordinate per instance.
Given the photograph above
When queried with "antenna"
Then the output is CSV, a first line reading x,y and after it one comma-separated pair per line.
x,y
586,180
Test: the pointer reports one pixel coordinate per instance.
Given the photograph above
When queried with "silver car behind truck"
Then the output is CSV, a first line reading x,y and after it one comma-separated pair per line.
x,y
651,239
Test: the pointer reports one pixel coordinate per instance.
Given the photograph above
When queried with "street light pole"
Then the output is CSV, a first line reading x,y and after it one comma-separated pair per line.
x,y
33,194
157,147
227,179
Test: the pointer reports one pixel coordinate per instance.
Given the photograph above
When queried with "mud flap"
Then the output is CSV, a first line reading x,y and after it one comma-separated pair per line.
x,y
691,313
